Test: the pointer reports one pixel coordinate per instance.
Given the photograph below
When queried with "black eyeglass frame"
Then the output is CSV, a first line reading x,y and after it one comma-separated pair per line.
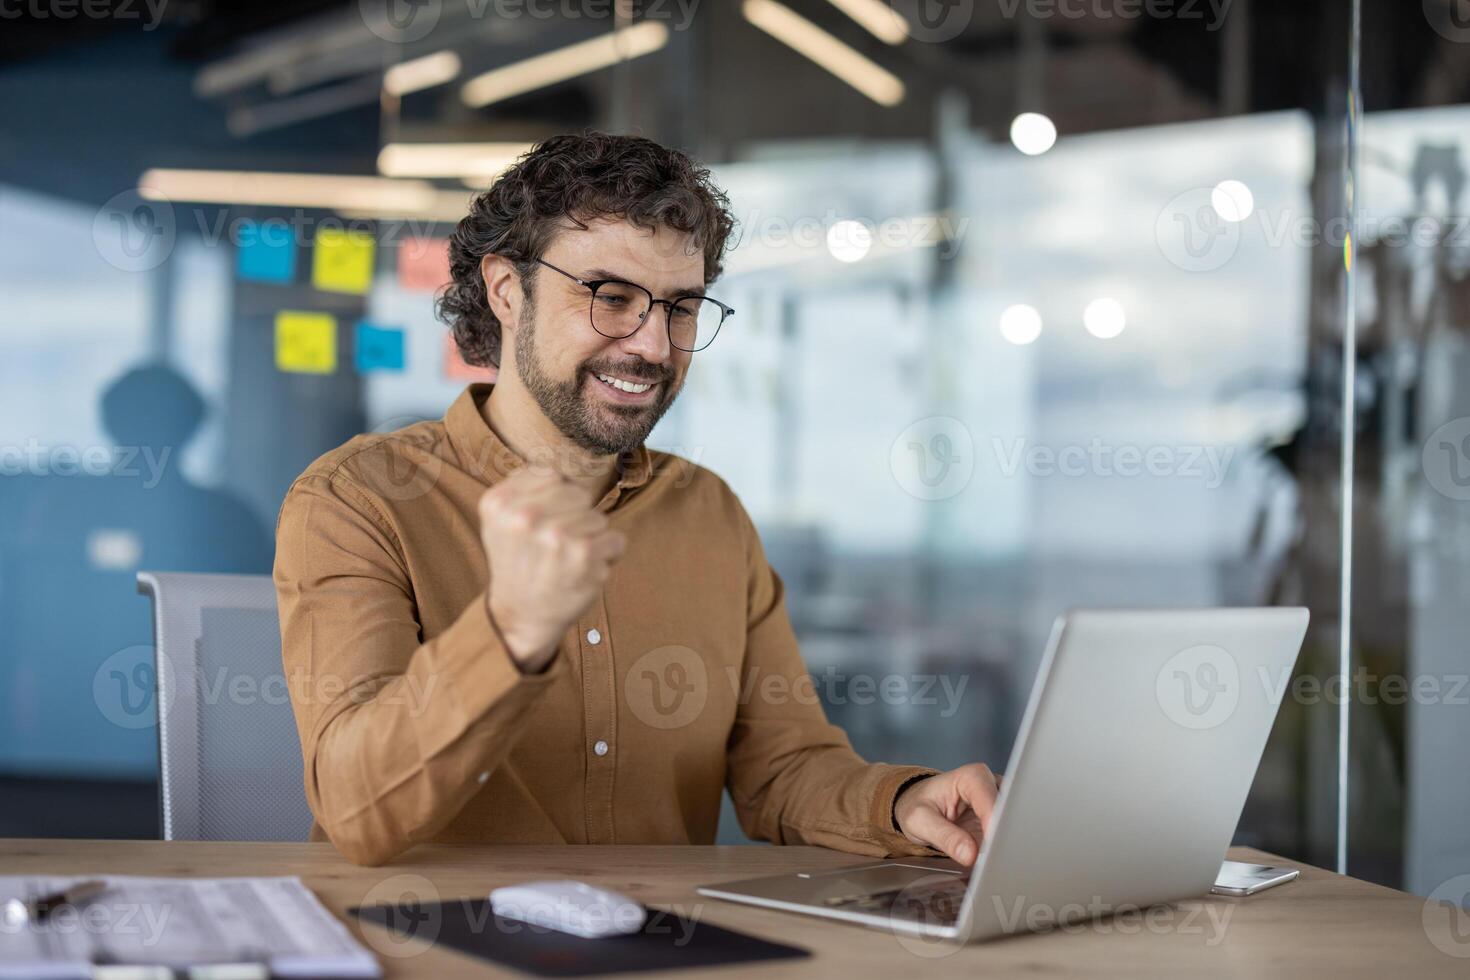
x,y
594,284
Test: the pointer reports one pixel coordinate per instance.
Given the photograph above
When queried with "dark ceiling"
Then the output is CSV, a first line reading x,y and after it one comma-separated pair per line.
x,y
92,101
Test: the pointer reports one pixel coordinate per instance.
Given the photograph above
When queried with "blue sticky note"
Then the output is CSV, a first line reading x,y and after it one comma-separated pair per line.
x,y
379,348
266,251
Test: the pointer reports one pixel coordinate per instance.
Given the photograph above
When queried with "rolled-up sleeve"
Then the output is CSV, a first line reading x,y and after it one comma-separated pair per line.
x,y
794,777
397,734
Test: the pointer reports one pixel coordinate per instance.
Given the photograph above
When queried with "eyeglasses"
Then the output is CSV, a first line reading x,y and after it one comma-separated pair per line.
x,y
619,308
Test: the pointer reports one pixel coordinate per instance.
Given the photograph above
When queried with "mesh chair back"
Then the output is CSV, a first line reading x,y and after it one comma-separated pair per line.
x,y
229,757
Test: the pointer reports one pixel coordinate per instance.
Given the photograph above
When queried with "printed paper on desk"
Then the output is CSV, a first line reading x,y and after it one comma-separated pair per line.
x,y
179,922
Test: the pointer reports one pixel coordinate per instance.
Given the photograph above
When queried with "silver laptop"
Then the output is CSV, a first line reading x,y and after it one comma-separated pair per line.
x,y
1130,770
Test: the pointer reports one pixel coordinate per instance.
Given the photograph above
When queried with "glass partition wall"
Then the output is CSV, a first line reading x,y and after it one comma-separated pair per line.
x,y
1409,782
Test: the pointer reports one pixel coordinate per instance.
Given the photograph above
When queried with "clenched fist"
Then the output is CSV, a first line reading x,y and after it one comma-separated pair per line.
x,y
550,552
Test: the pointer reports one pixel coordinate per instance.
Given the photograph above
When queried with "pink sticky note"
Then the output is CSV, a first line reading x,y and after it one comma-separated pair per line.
x,y
423,263
455,369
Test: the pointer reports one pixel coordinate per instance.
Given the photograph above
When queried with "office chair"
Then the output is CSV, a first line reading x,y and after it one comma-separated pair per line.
x,y
229,757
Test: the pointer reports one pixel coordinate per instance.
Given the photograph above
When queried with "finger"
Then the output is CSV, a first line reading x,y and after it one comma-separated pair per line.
x,y
977,788
608,546
553,498
586,539
517,494
540,478
531,508
929,826
528,479
543,483
573,523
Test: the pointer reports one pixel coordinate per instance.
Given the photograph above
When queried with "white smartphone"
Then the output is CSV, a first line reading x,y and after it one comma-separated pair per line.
x,y
1238,878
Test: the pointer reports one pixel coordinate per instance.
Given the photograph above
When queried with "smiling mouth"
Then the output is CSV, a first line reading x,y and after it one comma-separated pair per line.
x,y
619,384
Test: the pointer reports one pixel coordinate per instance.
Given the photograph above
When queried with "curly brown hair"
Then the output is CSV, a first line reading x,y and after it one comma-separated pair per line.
x,y
577,178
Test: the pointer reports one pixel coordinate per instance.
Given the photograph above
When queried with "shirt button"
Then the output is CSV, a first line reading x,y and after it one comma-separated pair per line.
x,y
594,638
483,777
600,748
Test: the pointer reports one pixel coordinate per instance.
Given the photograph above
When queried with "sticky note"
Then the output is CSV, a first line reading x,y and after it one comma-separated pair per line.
x,y
342,261
306,343
423,263
265,251
379,348
455,369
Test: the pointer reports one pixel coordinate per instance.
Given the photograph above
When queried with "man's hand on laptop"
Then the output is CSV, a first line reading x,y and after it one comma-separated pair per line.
x,y
550,552
949,811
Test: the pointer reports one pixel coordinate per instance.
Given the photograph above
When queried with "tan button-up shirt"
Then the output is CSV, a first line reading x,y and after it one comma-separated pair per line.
x,y
683,678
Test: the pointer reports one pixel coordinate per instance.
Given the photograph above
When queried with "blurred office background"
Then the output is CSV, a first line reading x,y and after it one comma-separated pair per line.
x,y
1041,305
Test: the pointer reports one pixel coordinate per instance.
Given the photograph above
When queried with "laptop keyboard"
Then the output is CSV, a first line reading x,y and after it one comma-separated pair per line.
x,y
935,902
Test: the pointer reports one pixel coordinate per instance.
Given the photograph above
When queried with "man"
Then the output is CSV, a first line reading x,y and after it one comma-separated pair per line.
x,y
518,624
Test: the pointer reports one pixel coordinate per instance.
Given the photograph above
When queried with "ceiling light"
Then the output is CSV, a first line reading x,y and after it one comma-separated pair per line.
x,y
1104,318
1232,200
482,162
877,18
1033,134
1020,324
564,63
327,191
849,241
421,73
806,38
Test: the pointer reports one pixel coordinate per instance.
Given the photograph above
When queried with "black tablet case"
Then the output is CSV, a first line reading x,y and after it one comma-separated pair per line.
x,y
667,941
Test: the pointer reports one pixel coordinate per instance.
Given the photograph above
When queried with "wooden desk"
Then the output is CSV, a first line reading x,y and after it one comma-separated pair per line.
x,y
1319,925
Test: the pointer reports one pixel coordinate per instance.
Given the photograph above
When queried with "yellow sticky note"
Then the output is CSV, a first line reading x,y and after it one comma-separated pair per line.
x,y
306,343
342,261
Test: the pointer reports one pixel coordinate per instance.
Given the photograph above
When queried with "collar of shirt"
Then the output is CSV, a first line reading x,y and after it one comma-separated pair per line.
x,y
481,451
